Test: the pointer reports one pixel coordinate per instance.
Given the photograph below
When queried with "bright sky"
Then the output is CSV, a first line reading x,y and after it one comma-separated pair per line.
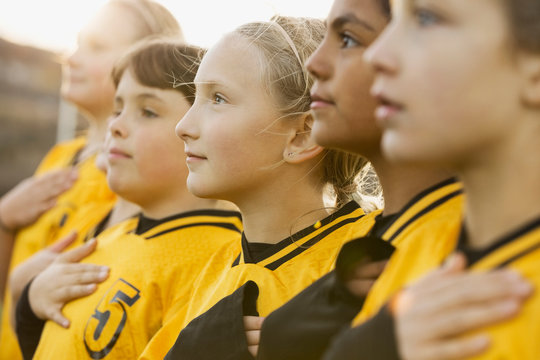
x,y
53,24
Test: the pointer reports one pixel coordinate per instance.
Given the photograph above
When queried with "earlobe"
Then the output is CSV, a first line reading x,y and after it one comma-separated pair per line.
x,y
301,146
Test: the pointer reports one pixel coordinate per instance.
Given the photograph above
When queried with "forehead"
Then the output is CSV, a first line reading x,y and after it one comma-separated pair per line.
x,y
233,59
112,23
369,12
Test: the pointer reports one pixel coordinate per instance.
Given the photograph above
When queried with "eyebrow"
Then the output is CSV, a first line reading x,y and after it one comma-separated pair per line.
x,y
139,97
350,18
145,96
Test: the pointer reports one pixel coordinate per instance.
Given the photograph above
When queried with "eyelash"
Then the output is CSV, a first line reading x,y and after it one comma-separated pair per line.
x,y
149,113
425,17
345,38
218,99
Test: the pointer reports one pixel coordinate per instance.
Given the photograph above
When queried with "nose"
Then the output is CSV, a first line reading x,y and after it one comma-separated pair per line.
x,y
73,59
187,127
382,54
318,63
117,126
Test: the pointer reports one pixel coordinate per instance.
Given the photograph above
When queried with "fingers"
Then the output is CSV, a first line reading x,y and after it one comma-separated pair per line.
x,y
54,183
359,288
457,322
364,276
253,350
370,270
79,253
58,317
252,325
85,273
456,349
253,322
71,292
474,288
63,243
457,262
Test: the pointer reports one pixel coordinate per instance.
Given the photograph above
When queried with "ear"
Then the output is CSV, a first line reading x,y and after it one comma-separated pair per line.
x,y
530,68
300,145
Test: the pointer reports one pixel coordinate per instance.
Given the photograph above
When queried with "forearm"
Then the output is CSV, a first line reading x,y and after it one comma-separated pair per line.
x,y
6,247
374,339
219,333
303,327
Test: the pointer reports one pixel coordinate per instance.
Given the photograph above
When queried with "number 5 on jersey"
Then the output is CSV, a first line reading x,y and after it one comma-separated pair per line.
x,y
105,325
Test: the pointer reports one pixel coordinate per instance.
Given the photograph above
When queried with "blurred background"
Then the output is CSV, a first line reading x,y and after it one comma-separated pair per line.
x,y
35,34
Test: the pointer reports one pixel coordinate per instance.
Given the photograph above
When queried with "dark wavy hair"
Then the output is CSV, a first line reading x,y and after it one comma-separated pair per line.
x,y
162,63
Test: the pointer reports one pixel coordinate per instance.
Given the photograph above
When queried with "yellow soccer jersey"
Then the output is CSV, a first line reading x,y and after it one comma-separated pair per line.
x,y
424,235
520,251
153,265
280,271
90,186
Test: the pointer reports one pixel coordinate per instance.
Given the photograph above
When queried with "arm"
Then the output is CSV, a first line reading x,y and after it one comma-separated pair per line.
x,y
21,207
6,247
427,320
303,327
219,333
44,297
22,274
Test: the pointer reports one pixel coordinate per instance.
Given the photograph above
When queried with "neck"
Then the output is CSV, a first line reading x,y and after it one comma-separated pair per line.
x,y
122,210
173,203
503,193
400,183
281,209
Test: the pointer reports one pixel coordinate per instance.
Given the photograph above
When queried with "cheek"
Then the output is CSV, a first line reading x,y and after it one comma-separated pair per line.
x,y
160,158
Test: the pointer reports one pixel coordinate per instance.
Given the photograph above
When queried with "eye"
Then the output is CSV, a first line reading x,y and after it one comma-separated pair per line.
x,y
149,113
425,17
347,41
116,113
217,98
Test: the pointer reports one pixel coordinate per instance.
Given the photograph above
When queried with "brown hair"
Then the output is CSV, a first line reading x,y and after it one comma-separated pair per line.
x,y
162,63
285,44
524,17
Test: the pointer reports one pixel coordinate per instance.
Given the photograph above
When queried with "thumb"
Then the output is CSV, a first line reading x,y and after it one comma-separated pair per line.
x,y
63,243
59,318
454,264
79,253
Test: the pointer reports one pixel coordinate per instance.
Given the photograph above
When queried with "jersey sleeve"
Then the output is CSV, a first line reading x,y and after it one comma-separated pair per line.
x,y
303,327
374,339
28,326
219,332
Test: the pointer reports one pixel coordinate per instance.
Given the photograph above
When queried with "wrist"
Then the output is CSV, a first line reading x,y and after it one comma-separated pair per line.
x,y
4,226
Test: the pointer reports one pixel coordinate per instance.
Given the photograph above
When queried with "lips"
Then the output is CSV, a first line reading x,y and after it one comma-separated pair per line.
x,y
319,101
193,156
388,106
117,153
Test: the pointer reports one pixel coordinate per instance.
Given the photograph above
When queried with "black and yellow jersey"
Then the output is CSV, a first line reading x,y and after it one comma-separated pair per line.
x,y
153,266
279,272
297,330
422,245
516,338
520,251
91,186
